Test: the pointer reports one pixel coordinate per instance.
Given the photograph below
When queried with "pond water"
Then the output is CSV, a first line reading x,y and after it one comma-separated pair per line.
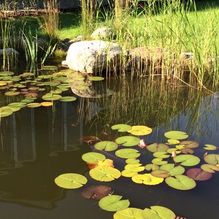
x,y
36,145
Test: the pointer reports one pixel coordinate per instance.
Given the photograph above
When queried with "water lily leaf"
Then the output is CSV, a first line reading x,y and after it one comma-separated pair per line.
x,y
177,135
160,173
187,151
158,212
93,157
134,167
70,180
46,104
158,161
198,174
151,167
128,141
12,93
51,97
121,127
14,108
209,168
127,153
28,100
147,179
33,105
129,213
180,182
140,130
5,111
187,160
3,83
6,73
132,161
172,169
105,174
161,154
180,147
190,144
173,141
17,104
68,99
155,147
106,146
173,150
106,163
210,147
95,78
129,173
212,159
113,203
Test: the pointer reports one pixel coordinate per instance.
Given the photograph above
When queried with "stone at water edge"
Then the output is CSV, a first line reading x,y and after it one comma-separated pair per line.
x,y
92,56
102,33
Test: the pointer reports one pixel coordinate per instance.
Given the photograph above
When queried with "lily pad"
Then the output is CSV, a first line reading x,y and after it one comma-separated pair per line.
x,y
212,159
12,93
210,147
129,213
106,146
180,182
105,174
209,168
158,212
127,153
190,144
121,127
93,157
161,154
33,105
187,160
147,179
17,104
132,161
51,97
128,141
158,161
3,83
68,99
134,167
177,135
96,78
172,169
70,180
160,173
46,104
155,147
129,173
151,167
5,111
140,130
113,203
173,141
198,174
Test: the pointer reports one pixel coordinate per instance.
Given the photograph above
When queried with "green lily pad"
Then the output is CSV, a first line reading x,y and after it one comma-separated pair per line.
x,y
68,99
127,153
155,147
17,104
177,135
173,141
14,108
104,173
209,168
95,78
134,167
161,154
51,97
140,130
128,141
121,127
113,203
210,147
158,212
151,167
12,93
172,169
93,157
212,159
129,173
147,179
6,73
158,161
187,160
5,111
70,180
3,83
106,146
33,105
129,213
132,161
180,182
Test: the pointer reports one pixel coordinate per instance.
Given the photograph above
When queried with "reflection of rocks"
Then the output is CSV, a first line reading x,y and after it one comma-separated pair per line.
x,y
93,56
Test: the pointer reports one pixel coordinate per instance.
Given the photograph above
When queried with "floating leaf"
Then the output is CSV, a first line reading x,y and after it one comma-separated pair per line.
x,y
140,130
147,179
33,105
128,141
3,83
70,180
173,141
173,150
212,159
105,174
51,97
68,99
177,135
113,203
134,167
161,154
180,182
198,174
93,157
132,161
17,104
187,160
5,111
127,153
129,173
121,127
106,146
129,213
12,93
172,169
160,173
151,167
210,147
158,161
158,212
155,147
46,104
95,78
190,144
209,168
106,163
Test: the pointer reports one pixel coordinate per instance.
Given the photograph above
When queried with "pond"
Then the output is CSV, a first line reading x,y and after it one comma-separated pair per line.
x,y
38,144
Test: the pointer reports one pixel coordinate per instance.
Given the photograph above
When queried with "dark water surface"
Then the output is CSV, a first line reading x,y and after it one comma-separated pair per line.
x,y
36,145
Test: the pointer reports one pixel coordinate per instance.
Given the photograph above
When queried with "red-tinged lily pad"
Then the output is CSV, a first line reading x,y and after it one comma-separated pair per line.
x,y
155,147
190,144
198,174
121,127
212,159
96,192
158,212
177,135
106,146
129,213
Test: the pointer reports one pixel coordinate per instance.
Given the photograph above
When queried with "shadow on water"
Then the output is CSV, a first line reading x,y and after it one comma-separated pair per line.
x,y
36,145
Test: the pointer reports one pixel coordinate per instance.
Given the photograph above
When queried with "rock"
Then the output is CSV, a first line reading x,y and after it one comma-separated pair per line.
x,y
102,33
93,56
9,52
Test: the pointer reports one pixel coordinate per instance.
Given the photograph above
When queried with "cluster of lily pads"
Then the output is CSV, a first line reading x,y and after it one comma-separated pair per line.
x,y
173,162
33,92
